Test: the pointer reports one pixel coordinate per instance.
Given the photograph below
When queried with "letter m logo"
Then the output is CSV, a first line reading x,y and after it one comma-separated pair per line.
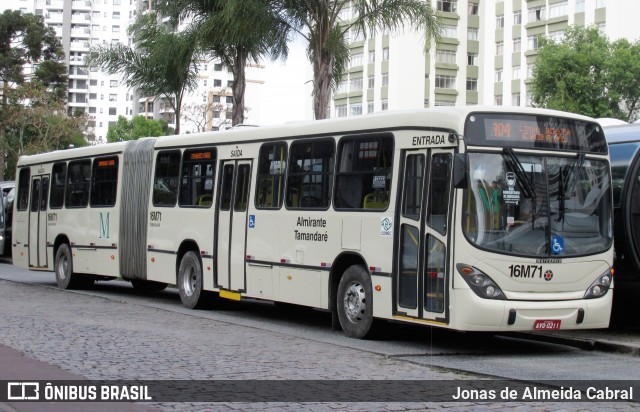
x,y
104,226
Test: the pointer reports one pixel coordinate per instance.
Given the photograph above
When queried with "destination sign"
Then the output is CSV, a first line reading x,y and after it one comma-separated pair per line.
x,y
107,163
534,131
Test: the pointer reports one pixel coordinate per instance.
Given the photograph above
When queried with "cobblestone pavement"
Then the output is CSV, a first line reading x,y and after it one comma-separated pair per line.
x,y
101,339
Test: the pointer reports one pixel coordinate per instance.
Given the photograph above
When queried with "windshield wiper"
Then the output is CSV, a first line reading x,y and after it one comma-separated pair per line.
x,y
526,184
567,184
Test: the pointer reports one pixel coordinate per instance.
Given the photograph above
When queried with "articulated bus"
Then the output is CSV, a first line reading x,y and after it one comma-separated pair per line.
x,y
624,146
471,218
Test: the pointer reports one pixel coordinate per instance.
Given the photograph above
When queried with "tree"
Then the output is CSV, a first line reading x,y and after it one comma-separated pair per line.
x,y
162,63
237,32
36,121
585,73
26,41
136,128
319,23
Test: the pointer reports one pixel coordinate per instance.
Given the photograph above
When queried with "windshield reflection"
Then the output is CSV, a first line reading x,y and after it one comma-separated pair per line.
x,y
538,206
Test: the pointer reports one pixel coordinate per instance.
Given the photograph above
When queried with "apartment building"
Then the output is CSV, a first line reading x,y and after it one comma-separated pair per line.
x,y
485,56
81,24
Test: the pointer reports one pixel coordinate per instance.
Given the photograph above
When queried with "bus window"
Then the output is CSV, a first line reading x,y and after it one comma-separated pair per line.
x,y
439,196
271,174
225,192
242,188
104,182
310,174
414,175
23,189
35,195
196,182
59,175
165,183
78,182
363,178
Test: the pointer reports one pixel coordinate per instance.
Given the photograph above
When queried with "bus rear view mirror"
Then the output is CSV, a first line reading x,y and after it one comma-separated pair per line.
x,y
460,171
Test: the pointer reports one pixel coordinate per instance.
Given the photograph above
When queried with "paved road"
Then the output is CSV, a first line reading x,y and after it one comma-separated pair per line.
x,y
114,333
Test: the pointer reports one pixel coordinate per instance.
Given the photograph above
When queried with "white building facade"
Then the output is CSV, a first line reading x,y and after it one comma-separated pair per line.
x,y
485,55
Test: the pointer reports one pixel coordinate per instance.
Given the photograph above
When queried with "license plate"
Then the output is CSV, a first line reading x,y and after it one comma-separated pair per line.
x,y
547,324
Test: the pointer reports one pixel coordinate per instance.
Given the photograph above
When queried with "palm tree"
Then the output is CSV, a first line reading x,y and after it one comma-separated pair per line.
x,y
162,63
319,23
238,32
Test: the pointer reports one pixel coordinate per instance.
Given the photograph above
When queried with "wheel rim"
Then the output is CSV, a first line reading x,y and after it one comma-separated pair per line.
x,y
355,302
63,265
189,281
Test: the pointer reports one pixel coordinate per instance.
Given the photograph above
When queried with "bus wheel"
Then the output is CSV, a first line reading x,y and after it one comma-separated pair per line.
x,y
190,281
63,266
355,302
148,285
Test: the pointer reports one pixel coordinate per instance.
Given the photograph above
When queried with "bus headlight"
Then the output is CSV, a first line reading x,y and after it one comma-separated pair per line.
x,y
600,286
480,283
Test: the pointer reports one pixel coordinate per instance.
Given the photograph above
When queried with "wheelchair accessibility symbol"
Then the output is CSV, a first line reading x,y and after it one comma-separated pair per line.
x,y
557,245
252,221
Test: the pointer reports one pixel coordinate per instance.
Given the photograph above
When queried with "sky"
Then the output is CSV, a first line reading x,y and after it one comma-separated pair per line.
x,y
285,95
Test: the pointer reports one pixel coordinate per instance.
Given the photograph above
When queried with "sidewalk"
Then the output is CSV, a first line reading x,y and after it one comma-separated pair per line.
x,y
15,366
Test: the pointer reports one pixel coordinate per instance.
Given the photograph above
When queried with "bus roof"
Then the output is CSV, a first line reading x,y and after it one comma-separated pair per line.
x,y
623,134
442,118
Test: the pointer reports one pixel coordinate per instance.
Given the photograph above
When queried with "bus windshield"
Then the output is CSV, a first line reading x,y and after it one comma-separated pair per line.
x,y
537,206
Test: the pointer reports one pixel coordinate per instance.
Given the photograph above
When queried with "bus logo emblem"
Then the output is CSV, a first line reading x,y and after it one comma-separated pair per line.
x,y
548,275
385,226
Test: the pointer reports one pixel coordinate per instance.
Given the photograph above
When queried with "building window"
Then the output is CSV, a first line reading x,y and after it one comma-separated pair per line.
x,y
116,15
498,100
472,34
533,43
444,103
370,107
113,83
517,17
229,99
445,82
516,45
558,9
446,57
385,53
371,81
355,109
515,99
472,59
516,72
355,85
498,75
385,105
536,14
113,111
217,67
385,79
499,48
341,110
93,96
601,3
372,56
556,36
472,84
500,21
449,31
115,29
530,70
217,83
472,9
579,6
342,87
113,97
356,60
449,6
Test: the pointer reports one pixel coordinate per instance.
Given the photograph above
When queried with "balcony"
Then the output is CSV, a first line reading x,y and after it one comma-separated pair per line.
x,y
51,18
81,5
80,18
80,46
81,32
54,5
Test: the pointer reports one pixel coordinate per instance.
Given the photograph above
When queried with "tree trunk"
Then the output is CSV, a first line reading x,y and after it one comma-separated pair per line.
x,y
238,87
321,86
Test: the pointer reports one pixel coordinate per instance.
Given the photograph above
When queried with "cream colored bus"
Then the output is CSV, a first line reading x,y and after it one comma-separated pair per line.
x,y
472,218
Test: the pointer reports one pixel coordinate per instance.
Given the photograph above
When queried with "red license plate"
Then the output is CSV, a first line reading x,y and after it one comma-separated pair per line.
x,y
547,324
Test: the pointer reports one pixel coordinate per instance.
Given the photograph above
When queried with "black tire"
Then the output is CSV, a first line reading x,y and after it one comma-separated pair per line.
x,y
148,285
63,267
354,302
190,281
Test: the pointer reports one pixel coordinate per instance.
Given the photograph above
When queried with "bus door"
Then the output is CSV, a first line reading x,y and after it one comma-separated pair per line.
x,y
421,275
38,221
233,203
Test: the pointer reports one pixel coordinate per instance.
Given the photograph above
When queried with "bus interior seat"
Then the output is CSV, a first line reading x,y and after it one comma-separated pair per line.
x,y
375,200
205,200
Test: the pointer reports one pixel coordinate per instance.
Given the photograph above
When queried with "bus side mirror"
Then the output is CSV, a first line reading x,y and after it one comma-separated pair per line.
x,y
460,171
